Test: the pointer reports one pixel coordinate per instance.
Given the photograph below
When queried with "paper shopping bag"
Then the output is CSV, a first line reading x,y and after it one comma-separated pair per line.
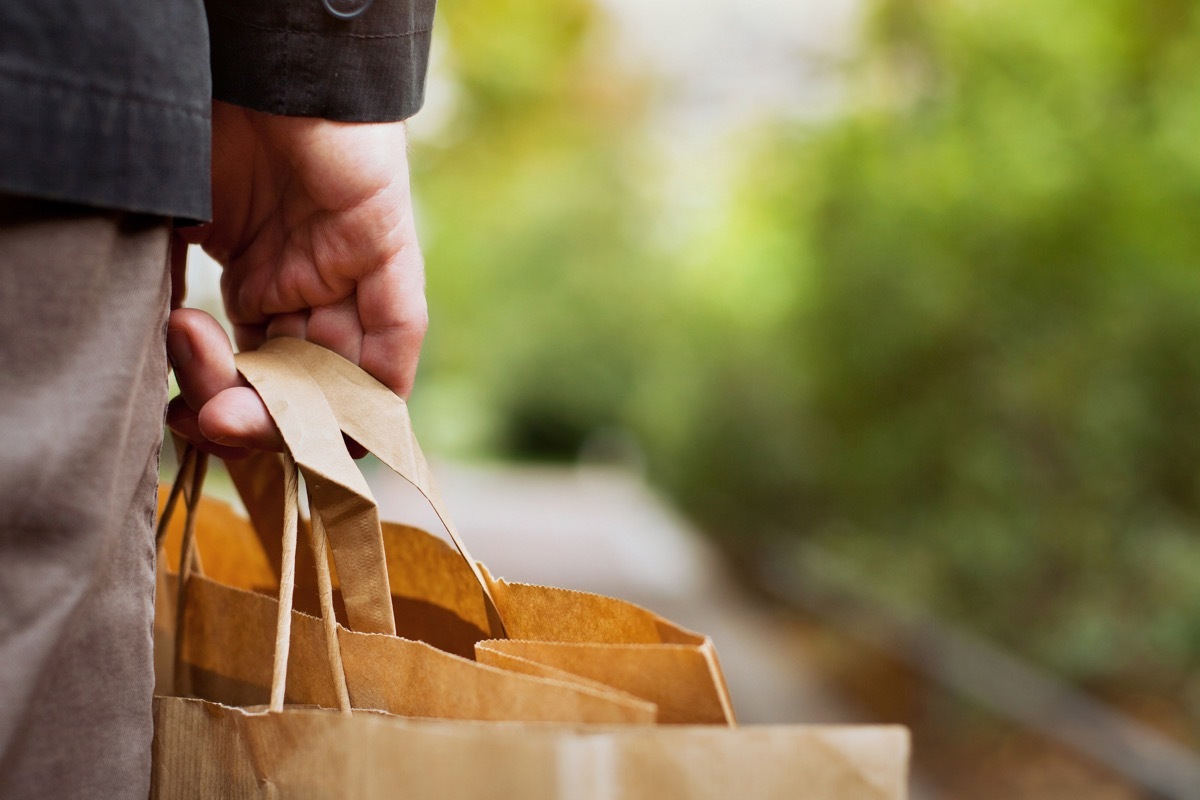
x,y
619,644
436,593
203,749
227,613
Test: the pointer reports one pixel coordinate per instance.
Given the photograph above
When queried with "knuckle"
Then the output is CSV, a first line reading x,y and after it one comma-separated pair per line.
x,y
420,316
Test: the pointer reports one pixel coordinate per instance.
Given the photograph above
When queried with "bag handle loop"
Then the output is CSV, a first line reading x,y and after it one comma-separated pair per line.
x,y
339,491
287,583
193,468
375,417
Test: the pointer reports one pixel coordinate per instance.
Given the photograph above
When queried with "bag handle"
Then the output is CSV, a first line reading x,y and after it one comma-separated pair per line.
x,y
375,417
189,482
339,492
333,650
287,583
192,469
283,619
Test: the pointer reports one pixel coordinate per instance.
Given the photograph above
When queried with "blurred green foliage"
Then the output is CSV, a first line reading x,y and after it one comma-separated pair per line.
x,y
953,334
537,281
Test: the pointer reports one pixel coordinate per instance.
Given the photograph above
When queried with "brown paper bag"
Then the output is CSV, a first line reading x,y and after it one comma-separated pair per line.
x,y
224,646
204,750
436,595
637,650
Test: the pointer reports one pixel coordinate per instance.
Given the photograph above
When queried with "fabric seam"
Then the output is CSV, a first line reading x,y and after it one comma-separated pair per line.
x,y
327,34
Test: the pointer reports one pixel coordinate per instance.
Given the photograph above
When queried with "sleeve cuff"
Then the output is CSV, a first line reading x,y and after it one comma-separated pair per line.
x,y
293,57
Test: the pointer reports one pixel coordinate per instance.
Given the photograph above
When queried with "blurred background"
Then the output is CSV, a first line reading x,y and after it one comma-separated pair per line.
x,y
862,335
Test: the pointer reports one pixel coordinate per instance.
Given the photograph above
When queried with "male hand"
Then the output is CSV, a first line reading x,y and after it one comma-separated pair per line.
x,y
312,222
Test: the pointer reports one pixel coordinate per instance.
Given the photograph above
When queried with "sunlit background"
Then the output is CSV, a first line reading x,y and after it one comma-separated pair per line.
x,y
874,327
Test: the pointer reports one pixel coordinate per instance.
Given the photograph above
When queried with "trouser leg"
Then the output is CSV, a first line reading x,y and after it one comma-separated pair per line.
x,y
83,384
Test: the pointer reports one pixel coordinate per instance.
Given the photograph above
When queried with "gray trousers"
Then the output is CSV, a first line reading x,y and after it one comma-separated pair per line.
x,y
83,384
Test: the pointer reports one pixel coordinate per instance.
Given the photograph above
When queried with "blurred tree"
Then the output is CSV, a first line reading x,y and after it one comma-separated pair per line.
x,y
952,334
985,388
532,217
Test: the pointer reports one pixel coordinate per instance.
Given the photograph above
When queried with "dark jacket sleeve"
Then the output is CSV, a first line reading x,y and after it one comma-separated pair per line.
x,y
300,58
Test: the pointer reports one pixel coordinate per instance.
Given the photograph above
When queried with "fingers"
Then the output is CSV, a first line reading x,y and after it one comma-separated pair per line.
x,y
394,317
380,326
294,325
201,355
336,327
218,407
185,422
332,257
237,417
249,337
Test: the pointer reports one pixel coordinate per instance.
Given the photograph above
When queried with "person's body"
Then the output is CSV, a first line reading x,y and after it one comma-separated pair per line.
x,y
104,140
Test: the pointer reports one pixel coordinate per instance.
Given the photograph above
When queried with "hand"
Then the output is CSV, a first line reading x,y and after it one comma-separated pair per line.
x,y
312,222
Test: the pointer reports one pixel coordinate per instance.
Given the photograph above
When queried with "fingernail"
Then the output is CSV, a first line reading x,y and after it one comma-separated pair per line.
x,y
179,347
